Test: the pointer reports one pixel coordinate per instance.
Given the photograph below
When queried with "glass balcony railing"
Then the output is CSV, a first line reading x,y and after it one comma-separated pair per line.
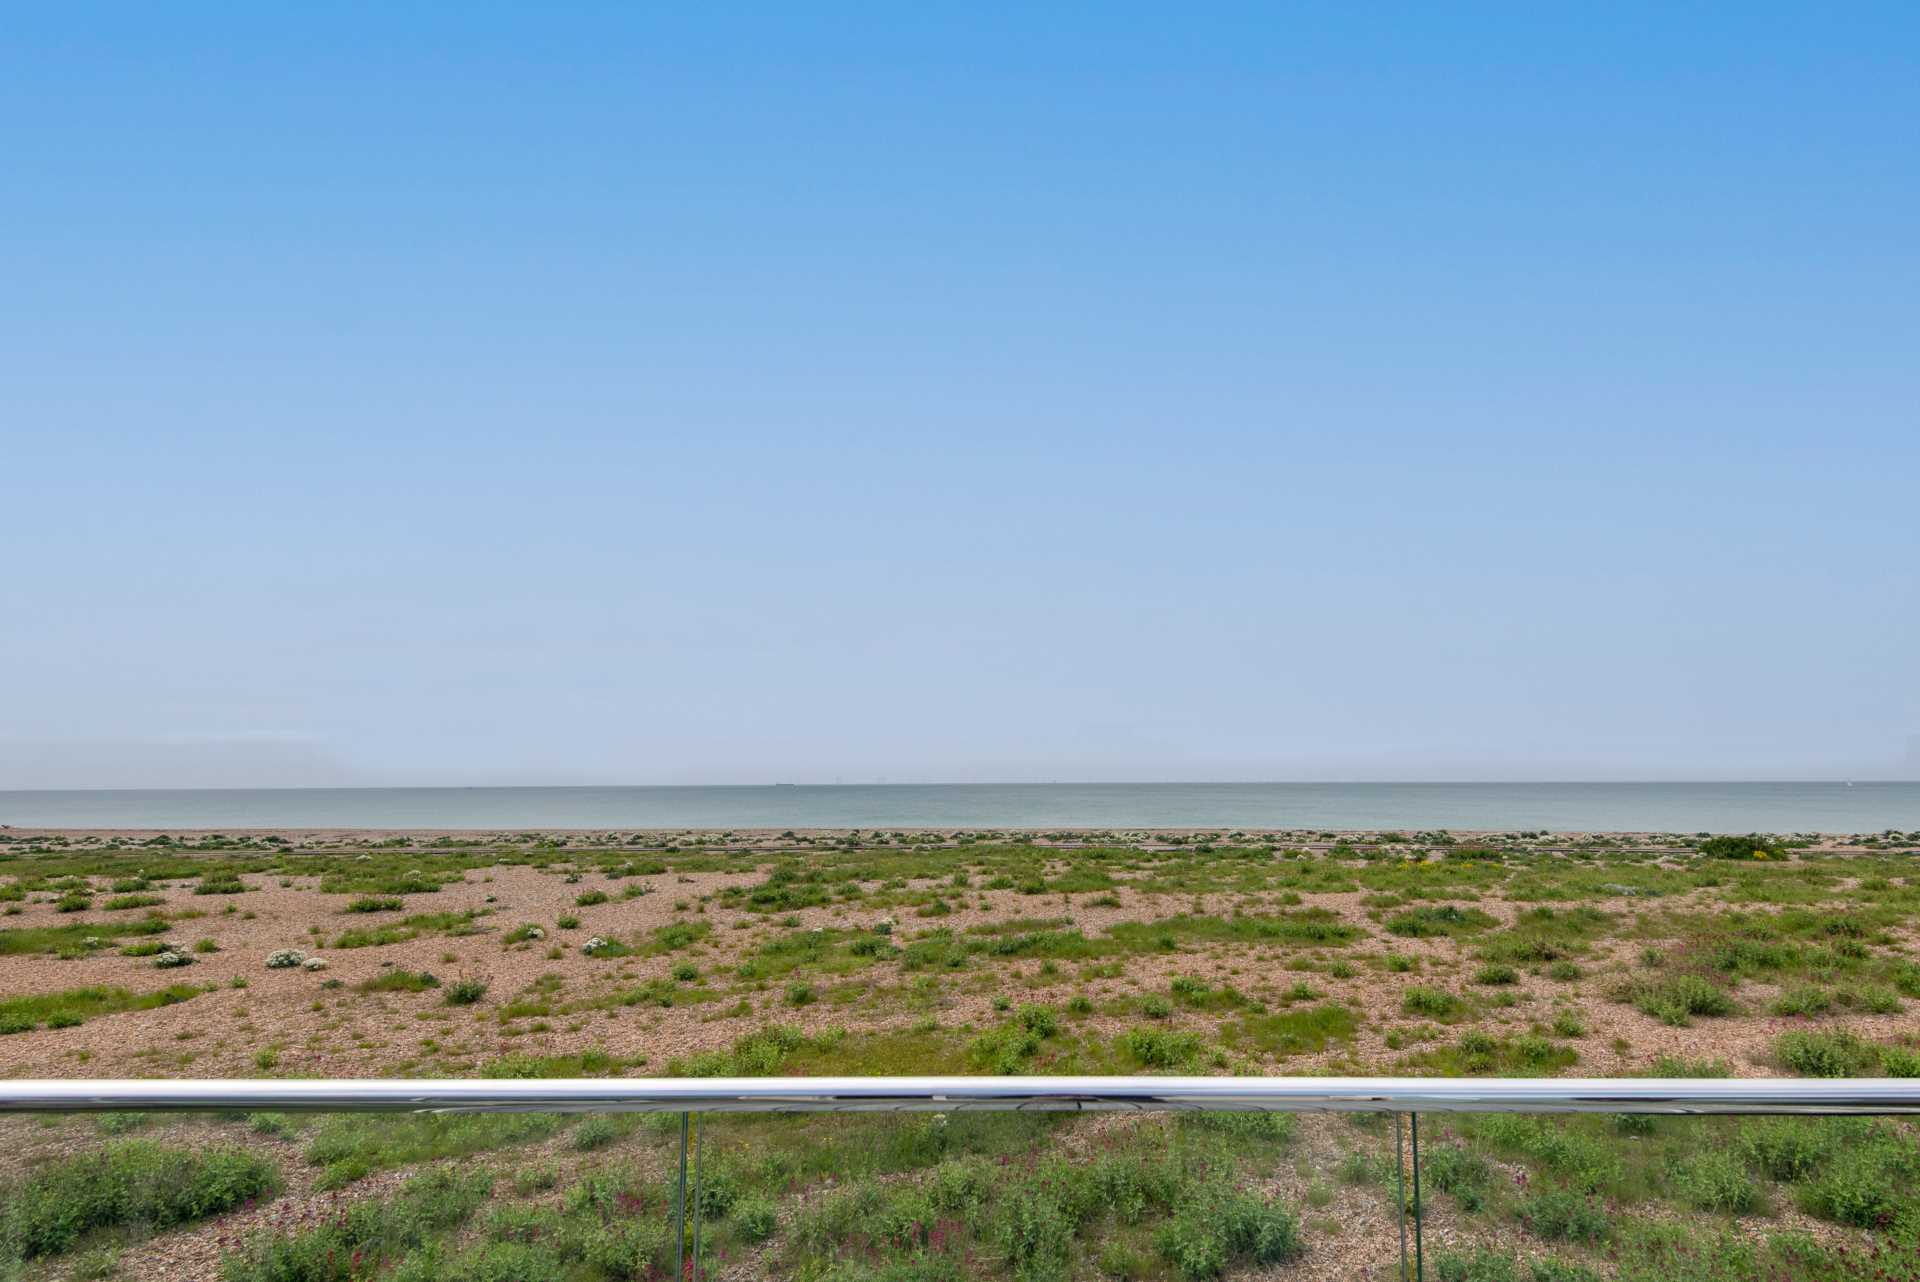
x,y
943,1179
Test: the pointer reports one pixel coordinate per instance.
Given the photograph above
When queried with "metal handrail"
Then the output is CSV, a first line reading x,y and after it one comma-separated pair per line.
x,y
1879,1095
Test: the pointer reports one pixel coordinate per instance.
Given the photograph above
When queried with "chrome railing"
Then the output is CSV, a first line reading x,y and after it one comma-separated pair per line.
x,y
1407,1099
1864,1096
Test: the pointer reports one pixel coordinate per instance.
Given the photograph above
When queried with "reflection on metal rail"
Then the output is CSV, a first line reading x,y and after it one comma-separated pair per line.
x,y
950,1094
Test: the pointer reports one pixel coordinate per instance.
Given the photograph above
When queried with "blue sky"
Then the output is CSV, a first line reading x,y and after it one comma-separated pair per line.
x,y
579,393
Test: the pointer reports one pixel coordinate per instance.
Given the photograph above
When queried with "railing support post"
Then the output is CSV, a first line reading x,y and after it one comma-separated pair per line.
x,y
1419,1211
680,1209
1400,1187
699,1151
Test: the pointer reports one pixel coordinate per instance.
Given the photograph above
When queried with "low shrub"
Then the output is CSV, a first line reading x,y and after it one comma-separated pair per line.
x,y
401,981
1452,1169
1674,1001
1826,1054
1478,1265
1160,1047
465,992
1803,999
1716,1180
1564,1215
1752,846
129,1182
1433,1003
1212,1231
1787,1149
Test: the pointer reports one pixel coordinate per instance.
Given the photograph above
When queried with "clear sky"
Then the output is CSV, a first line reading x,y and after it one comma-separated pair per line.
x,y
436,393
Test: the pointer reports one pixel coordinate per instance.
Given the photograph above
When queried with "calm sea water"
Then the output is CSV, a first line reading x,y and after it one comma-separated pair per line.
x,y
1615,807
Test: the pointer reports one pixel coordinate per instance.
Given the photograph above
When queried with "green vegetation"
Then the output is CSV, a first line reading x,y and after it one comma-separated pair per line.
x,y
133,1183
978,953
1752,846
407,928
73,1006
1292,1032
367,1234
1428,921
1841,1054
1432,1003
75,938
352,1146
400,981
1677,999
465,992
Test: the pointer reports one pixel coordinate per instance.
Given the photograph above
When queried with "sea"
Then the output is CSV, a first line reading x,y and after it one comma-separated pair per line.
x,y
1831,807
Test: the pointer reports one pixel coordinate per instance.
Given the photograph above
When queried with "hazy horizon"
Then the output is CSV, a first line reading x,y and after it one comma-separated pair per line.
x,y
215,771
593,395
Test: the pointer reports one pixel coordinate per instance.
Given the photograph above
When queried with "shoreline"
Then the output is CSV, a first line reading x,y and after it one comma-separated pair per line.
x,y
286,839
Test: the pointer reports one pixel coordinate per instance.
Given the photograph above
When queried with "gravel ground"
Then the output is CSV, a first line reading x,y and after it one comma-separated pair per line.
x,y
314,1030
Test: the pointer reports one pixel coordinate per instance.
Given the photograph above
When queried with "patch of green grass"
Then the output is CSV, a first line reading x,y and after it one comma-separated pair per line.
x,y
675,935
1682,1067
1835,1054
72,1006
1010,1048
786,889
1865,1182
1292,1032
1675,1000
1564,1215
378,878
367,1234
1480,1054
353,1146
1802,999
825,951
1476,1265
763,1053
1460,1172
1315,926
1197,994
1429,920
465,992
1569,1149
70,938
1160,1049
127,1183
409,928
1432,1003
1716,1180
1227,1227
400,981
1542,935
1135,1203
590,1063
